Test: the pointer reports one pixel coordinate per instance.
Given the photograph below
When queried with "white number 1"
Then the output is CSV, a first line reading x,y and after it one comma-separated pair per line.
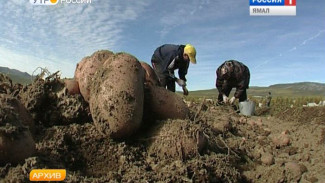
x,y
290,2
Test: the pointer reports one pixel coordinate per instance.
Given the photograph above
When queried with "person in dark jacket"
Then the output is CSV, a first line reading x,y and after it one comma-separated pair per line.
x,y
168,58
232,74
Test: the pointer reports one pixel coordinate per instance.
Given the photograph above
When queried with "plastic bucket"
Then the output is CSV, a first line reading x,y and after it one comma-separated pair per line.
x,y
247,108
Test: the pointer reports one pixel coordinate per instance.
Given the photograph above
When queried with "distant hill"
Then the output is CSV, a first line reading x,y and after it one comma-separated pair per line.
x,y
303,86
286,90
16,76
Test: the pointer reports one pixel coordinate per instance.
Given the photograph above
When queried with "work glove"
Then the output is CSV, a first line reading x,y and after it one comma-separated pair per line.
x,y
185,91
181,82
232,100
225,98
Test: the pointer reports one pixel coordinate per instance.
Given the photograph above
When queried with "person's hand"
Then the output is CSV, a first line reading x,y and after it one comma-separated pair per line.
x,y
185,91
225,98
232,100
181,82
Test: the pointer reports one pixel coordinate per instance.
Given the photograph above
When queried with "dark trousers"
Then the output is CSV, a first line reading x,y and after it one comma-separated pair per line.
x,y
227,91
167,82
164,78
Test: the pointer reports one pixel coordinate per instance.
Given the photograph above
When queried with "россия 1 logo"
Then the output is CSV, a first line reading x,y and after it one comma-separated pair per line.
x,y
272,7
54,2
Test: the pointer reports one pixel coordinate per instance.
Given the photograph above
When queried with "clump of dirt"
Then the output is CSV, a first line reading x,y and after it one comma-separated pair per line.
x,y
80,148
72,109
176,140
49,103
5,84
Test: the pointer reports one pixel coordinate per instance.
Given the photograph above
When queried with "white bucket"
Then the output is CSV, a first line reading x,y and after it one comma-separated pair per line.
x,y
247,107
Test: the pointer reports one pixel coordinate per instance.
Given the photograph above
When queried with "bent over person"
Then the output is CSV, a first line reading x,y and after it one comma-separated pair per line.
x,y
167,58
232,74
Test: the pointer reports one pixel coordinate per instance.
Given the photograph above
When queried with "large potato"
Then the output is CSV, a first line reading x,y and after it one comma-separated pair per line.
x,y
150,75
164,104
16,142
116,101
86,69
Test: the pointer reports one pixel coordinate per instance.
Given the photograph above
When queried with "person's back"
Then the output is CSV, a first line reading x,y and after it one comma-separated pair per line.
x,y
232,74
168,58
164,54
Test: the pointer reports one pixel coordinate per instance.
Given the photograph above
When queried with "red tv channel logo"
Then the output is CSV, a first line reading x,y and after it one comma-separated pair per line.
x,y
290,2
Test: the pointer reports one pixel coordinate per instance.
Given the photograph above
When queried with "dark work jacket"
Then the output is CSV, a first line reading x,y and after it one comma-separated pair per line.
x,y
164,55
238,77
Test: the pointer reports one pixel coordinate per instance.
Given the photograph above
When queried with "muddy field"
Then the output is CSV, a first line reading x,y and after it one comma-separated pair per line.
x,y
234,149
213,144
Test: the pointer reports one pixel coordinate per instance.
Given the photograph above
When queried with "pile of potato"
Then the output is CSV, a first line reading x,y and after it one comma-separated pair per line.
x,y
122,93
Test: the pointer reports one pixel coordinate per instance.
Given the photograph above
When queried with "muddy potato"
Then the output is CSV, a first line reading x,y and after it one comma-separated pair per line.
x,y
259,122
86,69
251,122
164,104
11,106
267,159
176,140
16,142
295,169
242,120
150,75
281,140
116,101
72,86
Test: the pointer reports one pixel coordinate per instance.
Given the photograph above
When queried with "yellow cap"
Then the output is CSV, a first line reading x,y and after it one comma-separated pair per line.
x,y
191,52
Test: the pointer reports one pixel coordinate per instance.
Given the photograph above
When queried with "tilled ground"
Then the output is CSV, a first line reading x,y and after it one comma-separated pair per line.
x,y
214,145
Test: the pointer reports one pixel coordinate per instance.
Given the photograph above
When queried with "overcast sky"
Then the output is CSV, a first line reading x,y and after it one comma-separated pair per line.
x,y
278,49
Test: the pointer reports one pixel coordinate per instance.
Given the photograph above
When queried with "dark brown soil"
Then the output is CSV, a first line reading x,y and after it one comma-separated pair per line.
x,y
49,103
